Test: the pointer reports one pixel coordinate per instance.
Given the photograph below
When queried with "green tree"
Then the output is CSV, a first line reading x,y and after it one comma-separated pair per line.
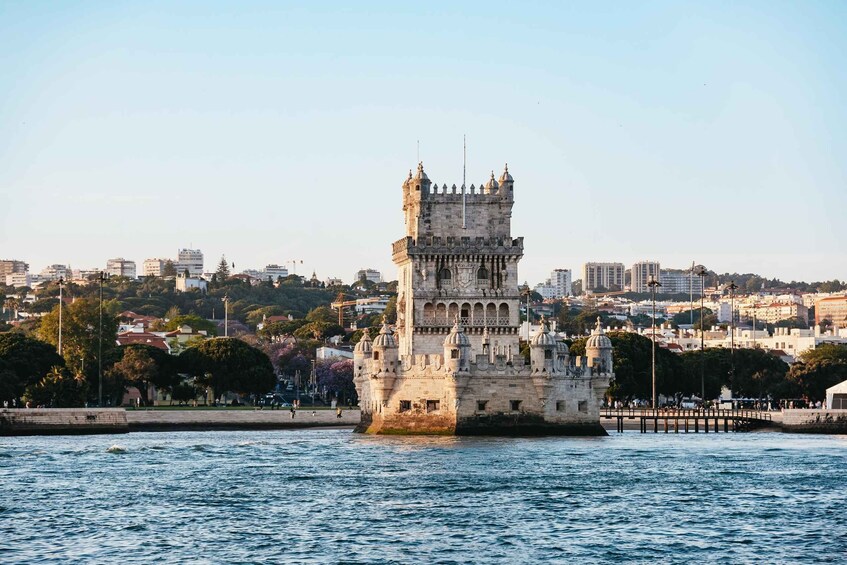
x,y
194,322
137,368
229,364
632,357
81,335
391,310
57,389
318,331
818,369
223,269
169,269
322,314
24,361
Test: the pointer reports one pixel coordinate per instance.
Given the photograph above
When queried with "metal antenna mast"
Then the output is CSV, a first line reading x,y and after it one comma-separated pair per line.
x,y
464,173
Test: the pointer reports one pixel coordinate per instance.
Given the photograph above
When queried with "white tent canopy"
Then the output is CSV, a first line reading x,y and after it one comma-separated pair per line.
x,y
836,396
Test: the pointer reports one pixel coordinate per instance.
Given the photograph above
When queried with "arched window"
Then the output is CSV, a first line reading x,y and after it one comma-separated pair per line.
x,y
482,274
446,274
441,314
503,314
445,278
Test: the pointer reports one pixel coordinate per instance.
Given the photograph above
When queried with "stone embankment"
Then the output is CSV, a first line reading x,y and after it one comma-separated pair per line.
x,y
62,421
815,421
227,419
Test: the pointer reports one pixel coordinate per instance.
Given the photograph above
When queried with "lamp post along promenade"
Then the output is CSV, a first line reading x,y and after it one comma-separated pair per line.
x,y
653,284
702,274
61,285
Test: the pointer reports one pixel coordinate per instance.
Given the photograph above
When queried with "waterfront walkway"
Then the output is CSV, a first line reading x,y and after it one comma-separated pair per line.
x,y
688,420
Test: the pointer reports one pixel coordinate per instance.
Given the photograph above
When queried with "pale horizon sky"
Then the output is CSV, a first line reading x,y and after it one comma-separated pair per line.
x,y
275,131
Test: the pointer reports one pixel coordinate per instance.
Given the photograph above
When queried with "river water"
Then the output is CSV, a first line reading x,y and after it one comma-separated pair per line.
x,y
333,496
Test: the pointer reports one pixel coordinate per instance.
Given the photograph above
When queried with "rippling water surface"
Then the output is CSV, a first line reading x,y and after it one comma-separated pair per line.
x,y
334,496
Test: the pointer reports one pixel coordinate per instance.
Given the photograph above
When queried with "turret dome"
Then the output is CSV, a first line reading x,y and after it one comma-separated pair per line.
x,y
598,338
457,337
562,348
385,338
421,175
491,185
543,337
365,344
506,177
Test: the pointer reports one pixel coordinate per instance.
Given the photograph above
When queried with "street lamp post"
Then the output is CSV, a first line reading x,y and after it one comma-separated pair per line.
x,y
61,285
702,274
653,284
732,287
226,315
101,278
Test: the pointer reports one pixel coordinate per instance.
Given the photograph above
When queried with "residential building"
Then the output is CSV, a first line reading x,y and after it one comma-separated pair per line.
x,y
154,267
832,308
56,272
275,272
372,305
642,273
191,260
333,281
558,286
184,283
12,266
19,279
602,277
370,274
326,352
120,267
679,281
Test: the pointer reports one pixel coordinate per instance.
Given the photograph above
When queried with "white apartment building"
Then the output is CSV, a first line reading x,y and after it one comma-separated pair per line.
x,y
191,260
184,283
55,272
370,274
120,267
275,272
333,281
602,276
372,305
642,273
19,279
154,267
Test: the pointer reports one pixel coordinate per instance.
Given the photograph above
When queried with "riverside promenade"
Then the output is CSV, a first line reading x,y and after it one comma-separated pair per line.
x,y
236,419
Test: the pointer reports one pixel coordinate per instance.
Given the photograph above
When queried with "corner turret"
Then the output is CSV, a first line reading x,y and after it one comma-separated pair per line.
x,y
598,349
457,348
543,349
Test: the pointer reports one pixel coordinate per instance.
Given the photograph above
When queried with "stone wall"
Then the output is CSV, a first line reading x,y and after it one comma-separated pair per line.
x,y
62,421
225,419
815,421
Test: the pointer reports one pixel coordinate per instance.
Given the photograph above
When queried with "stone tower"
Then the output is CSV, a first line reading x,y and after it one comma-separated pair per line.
x,y
452,365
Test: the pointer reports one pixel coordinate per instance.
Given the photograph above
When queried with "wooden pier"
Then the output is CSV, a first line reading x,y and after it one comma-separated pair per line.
x,y
688,420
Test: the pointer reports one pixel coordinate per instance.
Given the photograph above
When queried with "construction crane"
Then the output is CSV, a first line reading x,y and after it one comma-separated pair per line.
x,y
340,304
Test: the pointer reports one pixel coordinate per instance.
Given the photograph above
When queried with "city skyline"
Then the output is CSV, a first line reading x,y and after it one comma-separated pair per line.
x,y
673,132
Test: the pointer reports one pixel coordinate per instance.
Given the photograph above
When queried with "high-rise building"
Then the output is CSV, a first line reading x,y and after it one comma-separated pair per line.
x,y
275,272
120,267
369,274
642,273
11,266
154,267
602,277
560,280
679,281
190,260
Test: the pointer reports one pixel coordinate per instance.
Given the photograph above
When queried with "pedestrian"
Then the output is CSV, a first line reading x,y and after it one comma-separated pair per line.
x,y
314,413
338,412
292,412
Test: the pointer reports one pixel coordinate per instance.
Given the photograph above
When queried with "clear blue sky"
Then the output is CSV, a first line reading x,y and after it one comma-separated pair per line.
x,y
272,131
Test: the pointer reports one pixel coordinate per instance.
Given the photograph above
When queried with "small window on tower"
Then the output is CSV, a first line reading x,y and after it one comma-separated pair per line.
x,y
482,274
376,355
560,406
405,405
548,354
582,406
454,354
481,405
432,405
515,405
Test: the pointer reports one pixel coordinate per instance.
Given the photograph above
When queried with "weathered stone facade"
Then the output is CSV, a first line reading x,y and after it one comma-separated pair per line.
x,y
453,365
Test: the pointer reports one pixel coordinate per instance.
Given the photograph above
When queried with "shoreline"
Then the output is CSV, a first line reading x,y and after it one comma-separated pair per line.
x,y
81,421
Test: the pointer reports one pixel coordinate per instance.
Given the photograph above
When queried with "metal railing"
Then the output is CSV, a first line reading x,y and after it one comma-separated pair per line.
x,y
495,322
